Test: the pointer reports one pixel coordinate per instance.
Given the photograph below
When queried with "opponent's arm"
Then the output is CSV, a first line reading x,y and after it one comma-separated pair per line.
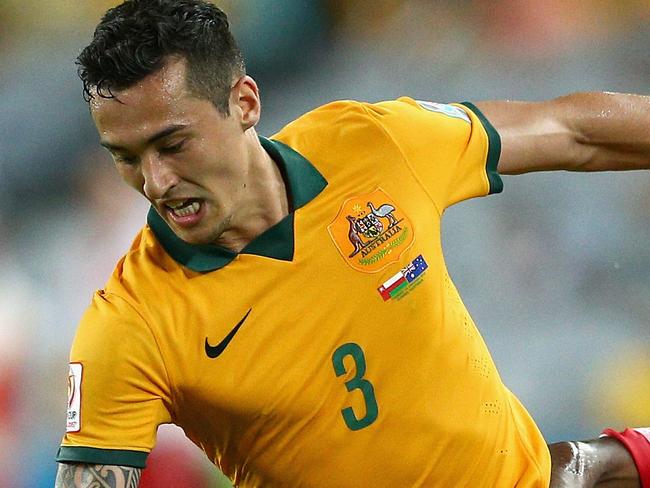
x,y
96,475
577,132
597,463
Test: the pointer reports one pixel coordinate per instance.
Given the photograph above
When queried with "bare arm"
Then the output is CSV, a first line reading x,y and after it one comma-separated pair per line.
x,y
598,463
96,476
577,132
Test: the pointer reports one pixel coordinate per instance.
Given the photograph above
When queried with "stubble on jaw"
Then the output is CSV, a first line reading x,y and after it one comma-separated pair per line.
x,y
221,228
214,236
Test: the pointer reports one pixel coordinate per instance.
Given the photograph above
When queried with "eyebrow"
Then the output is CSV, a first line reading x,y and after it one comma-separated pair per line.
x,y
157,136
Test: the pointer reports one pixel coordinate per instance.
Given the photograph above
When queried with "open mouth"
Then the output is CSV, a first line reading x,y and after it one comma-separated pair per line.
x,y
184,208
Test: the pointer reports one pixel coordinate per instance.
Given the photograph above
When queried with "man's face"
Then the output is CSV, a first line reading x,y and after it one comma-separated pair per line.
x,y
188,159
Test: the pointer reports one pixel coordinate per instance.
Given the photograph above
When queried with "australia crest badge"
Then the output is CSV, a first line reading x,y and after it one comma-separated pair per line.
x,y
371,231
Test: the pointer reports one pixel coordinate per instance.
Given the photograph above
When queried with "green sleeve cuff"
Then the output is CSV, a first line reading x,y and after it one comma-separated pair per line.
x,y
91,455
494,150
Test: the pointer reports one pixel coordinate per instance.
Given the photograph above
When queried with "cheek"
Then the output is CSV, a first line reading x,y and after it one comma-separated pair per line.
x,y
132,177
220,166
207,164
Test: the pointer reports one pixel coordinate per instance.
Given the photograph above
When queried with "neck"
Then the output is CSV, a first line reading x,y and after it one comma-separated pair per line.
x,y
264,202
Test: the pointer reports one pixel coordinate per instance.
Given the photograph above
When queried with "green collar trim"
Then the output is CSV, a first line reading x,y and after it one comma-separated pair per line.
x,y
304,183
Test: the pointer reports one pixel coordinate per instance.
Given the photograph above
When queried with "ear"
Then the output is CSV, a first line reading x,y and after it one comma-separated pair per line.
x,y
245,97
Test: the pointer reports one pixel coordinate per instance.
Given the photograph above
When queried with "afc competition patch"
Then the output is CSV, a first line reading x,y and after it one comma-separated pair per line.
x,y
74,398
445,109
371,232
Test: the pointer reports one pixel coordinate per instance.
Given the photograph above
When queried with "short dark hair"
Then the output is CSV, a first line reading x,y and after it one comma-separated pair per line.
x,y
136,38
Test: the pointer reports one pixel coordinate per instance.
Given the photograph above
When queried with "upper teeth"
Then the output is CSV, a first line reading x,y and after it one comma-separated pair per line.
x,y
184,208
177,204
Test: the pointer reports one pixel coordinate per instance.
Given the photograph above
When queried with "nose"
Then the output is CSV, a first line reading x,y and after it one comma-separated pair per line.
x,y
159,177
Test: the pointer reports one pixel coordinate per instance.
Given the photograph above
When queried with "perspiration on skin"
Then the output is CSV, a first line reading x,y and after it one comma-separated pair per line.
x,y
238,188
212,182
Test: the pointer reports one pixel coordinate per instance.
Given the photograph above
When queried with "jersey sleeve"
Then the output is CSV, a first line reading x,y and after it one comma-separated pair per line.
x,y
452,148
118,390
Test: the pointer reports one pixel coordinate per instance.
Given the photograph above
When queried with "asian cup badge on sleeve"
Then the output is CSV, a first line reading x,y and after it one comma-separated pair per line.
x,y
74,398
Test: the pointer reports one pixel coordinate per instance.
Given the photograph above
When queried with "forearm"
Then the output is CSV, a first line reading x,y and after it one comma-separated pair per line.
x,y
594,131
619,469
612,128
89,475
601,463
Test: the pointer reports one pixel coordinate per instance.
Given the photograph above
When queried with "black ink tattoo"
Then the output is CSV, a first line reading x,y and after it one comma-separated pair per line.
x,y
96,476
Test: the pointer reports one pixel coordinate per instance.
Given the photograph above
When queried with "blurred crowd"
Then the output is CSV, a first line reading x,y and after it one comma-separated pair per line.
x,y
555,271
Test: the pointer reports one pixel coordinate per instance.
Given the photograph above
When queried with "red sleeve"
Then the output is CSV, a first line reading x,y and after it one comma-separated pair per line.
x,y
637,441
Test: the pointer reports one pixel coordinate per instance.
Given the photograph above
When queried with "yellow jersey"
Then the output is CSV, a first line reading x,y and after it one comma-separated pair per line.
x,y
332,351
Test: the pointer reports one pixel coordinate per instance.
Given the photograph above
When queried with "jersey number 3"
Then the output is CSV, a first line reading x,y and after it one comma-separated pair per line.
x,y
358,382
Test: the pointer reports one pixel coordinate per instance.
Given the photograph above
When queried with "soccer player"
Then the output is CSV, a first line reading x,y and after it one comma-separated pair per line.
x,y
287,303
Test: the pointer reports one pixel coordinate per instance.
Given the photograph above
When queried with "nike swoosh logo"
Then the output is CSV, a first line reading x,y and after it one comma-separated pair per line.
x,y
215,351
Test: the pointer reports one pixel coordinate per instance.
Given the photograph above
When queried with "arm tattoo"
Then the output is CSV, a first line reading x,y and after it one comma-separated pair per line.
x,y
96,476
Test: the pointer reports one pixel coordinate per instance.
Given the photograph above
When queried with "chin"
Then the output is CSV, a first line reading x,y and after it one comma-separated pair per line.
x,y
194,239
204,232
198,236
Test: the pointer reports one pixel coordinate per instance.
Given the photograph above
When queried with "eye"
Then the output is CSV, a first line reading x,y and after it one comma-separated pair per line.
x,y
122,159
173,148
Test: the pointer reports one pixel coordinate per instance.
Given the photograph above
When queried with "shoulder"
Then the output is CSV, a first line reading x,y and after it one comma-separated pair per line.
x,y
108,329
342,110
146,263
328,115
139,282
334,125
347,117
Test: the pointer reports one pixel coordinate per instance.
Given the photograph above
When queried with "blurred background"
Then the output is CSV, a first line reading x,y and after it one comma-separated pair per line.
x,y
555,271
